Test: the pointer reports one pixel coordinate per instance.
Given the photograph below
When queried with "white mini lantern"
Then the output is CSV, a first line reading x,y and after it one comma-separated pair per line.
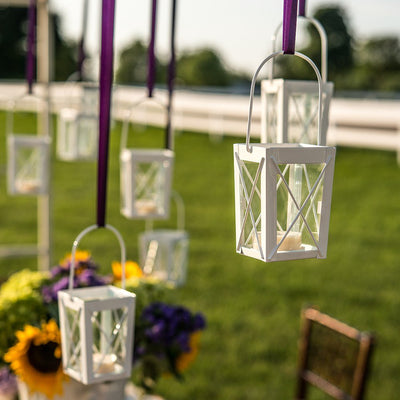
x,y
77,134
97,327
163,253
282,195
145,180
28,164
289,108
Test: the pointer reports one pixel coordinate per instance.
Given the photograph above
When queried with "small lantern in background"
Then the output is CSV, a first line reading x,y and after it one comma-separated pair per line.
x,y
77,134
289,108
282,194
145,175
28,154
97,326
163,253
28,164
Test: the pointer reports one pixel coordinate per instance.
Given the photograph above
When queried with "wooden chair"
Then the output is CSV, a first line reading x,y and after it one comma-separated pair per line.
x,y
333,357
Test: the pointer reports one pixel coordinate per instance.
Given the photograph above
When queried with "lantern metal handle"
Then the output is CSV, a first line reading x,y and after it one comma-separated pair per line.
x,y
11,107
180,213
130,112
79,238
253,84
324,46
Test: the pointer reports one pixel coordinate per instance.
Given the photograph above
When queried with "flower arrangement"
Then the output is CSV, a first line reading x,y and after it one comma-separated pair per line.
x,y
166,336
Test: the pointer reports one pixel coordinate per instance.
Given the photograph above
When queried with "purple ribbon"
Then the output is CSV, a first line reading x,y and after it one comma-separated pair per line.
x,y
289,26
171,78
30,57
302,8
106,78
171,66
81,48
151,70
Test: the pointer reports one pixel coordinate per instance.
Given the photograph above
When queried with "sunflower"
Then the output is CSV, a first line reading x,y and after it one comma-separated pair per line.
x,y
36,358
132,270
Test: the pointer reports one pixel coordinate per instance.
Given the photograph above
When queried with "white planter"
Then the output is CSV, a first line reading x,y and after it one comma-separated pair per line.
x,y
74,390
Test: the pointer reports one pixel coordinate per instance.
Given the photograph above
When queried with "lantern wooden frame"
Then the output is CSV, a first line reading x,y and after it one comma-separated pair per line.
x,y
77,128
289,108
260,172
145,177
97,326
163,253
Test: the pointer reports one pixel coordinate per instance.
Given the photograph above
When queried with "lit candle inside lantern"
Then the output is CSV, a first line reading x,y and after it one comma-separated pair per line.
x,y
292,241
27,185
104,363
144,207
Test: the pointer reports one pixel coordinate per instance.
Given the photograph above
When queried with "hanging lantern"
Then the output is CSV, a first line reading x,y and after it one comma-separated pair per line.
x,y
97,326
146,179
28,156
282,194
28,164
77,135
164,252
289,108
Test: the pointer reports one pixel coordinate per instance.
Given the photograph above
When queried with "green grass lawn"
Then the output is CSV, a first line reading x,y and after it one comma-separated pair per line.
x,y
249,350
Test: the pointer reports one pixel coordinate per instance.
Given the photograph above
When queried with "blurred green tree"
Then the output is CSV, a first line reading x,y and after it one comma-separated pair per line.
x,y
132,65
13,22
203,67
196,68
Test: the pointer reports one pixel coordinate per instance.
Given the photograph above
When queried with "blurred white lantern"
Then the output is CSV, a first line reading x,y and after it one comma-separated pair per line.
x,y
282,195
97,326
77,134
145,178
164,253
289,108
28,164
28,154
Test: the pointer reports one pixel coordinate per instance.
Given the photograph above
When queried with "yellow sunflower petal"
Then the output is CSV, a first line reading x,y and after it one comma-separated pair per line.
x,y
48,383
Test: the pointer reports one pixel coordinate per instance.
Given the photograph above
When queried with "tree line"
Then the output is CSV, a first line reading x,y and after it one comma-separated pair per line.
x,y
372,64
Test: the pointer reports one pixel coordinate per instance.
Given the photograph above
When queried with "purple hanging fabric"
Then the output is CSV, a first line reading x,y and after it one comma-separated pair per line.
x,y
81,48
106,78
30,56
302,8
151,68
171,79
171,66
289,26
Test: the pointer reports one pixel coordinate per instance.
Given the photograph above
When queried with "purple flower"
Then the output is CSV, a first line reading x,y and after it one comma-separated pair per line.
x,y
164,331
8,382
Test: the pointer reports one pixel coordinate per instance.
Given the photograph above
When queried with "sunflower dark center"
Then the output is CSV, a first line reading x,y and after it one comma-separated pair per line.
x,y
42,357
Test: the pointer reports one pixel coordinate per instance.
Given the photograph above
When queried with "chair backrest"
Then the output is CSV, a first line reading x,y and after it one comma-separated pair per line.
x,y
333,357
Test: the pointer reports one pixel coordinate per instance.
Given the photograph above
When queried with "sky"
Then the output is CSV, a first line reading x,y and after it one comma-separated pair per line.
x,y
240,30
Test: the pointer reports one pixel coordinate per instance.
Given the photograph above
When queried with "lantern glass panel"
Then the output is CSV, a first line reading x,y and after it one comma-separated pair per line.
x,y
303,121
109,351
180,254
299,192
73,345
271,107
149,194
250,204
87,136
